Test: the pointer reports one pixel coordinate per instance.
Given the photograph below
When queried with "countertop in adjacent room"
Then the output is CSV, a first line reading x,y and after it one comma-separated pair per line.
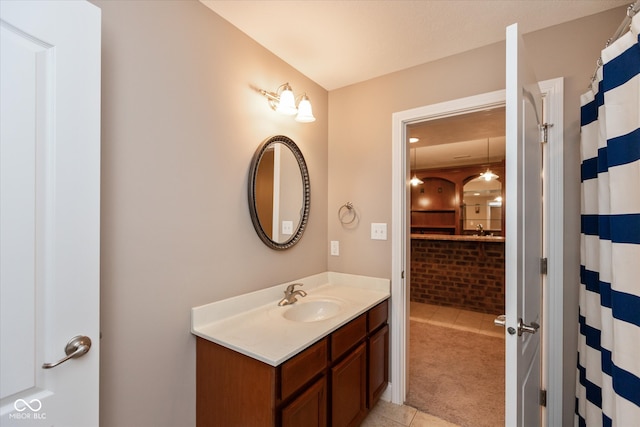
x,y
459,238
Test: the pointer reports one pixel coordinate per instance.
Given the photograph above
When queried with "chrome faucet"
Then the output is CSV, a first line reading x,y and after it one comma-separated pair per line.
x,y
290,294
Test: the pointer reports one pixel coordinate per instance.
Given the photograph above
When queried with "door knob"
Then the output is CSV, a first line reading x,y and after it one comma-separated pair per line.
x,y
502,321
76,347
523,327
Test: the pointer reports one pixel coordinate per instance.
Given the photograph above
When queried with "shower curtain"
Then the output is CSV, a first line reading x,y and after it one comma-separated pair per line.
x,y
608,377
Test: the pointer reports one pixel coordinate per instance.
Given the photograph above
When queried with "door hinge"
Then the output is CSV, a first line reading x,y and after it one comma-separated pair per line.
x,y
544,265
543,398
544,129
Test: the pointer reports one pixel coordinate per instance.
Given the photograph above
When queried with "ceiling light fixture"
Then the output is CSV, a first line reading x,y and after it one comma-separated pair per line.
x,y
413,140
415,180
496,203
488,175
283,101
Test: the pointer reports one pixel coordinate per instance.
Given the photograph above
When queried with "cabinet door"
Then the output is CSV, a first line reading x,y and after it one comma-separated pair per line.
x,y
378,364
349,389
434,194
309,409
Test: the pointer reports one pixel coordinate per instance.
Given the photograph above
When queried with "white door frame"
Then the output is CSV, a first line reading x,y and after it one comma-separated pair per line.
x,y
554,212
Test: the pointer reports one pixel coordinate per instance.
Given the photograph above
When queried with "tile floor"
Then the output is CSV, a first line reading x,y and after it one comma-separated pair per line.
x,y
455,318
387,414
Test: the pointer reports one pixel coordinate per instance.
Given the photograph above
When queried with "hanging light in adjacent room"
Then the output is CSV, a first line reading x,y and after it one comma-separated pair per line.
x,y
283,101
415,180
488,175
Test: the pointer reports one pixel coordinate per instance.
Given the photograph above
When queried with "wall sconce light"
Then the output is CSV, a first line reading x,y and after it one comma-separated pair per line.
x,y
284,102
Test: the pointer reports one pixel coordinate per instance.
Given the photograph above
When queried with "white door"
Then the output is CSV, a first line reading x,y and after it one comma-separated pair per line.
x,y
523,246
49,212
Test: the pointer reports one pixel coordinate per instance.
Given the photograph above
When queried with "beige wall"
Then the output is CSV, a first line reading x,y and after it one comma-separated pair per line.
x,y
180,124
360,143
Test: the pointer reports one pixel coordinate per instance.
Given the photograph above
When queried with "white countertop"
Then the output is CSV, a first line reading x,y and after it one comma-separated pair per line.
x,y
252,324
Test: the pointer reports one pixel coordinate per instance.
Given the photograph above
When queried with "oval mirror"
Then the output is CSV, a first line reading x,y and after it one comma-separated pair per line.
x,y
279,192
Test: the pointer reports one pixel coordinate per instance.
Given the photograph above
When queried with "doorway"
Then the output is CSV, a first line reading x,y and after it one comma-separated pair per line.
x,y
552,375
457,276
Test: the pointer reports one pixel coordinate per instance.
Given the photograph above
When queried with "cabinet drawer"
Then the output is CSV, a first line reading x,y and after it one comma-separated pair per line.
x,y
378,315
348,336
302,368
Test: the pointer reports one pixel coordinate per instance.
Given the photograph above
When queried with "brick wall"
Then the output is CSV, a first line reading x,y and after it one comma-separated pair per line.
x,y
468,275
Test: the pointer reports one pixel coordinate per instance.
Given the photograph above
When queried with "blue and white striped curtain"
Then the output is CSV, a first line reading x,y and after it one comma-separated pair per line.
x,y
608,383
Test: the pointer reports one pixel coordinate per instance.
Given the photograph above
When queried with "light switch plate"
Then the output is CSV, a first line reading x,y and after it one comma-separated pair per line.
x,y
335,248
379,231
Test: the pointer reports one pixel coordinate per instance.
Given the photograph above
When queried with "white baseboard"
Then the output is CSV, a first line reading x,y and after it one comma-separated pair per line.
x,y
386,394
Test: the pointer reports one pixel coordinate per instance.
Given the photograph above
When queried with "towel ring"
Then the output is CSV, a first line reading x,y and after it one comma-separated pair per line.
x,y
342,215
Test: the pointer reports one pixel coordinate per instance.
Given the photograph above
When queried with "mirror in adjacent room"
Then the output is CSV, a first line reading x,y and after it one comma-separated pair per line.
x,y
279,192
482,206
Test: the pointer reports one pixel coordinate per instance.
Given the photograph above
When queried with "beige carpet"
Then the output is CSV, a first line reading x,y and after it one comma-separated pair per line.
x,y
457,375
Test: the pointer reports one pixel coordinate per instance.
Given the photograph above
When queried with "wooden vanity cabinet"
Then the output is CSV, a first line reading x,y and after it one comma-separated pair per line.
x,y
309,409
377,352
349,389
335,382
348,336
378,357
302,369
348,373
232,389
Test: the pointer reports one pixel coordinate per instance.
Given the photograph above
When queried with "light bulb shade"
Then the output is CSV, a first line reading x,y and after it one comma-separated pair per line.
x,y
488,175
287,102
305,114
416,181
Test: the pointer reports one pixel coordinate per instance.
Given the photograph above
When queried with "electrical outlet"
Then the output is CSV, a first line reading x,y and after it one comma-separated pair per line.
x,y
335,248
287,227
379,231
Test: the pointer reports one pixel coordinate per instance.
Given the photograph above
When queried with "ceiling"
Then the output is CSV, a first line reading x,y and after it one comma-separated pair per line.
x,y
466,139
337,43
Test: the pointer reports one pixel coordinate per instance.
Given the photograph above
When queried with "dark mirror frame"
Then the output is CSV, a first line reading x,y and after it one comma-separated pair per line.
x,y
306,189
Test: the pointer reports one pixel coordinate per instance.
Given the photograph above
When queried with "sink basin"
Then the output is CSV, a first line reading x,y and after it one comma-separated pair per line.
x,y
312,311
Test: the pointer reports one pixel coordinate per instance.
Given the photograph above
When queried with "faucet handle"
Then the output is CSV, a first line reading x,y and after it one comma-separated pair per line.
x,y
292,286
